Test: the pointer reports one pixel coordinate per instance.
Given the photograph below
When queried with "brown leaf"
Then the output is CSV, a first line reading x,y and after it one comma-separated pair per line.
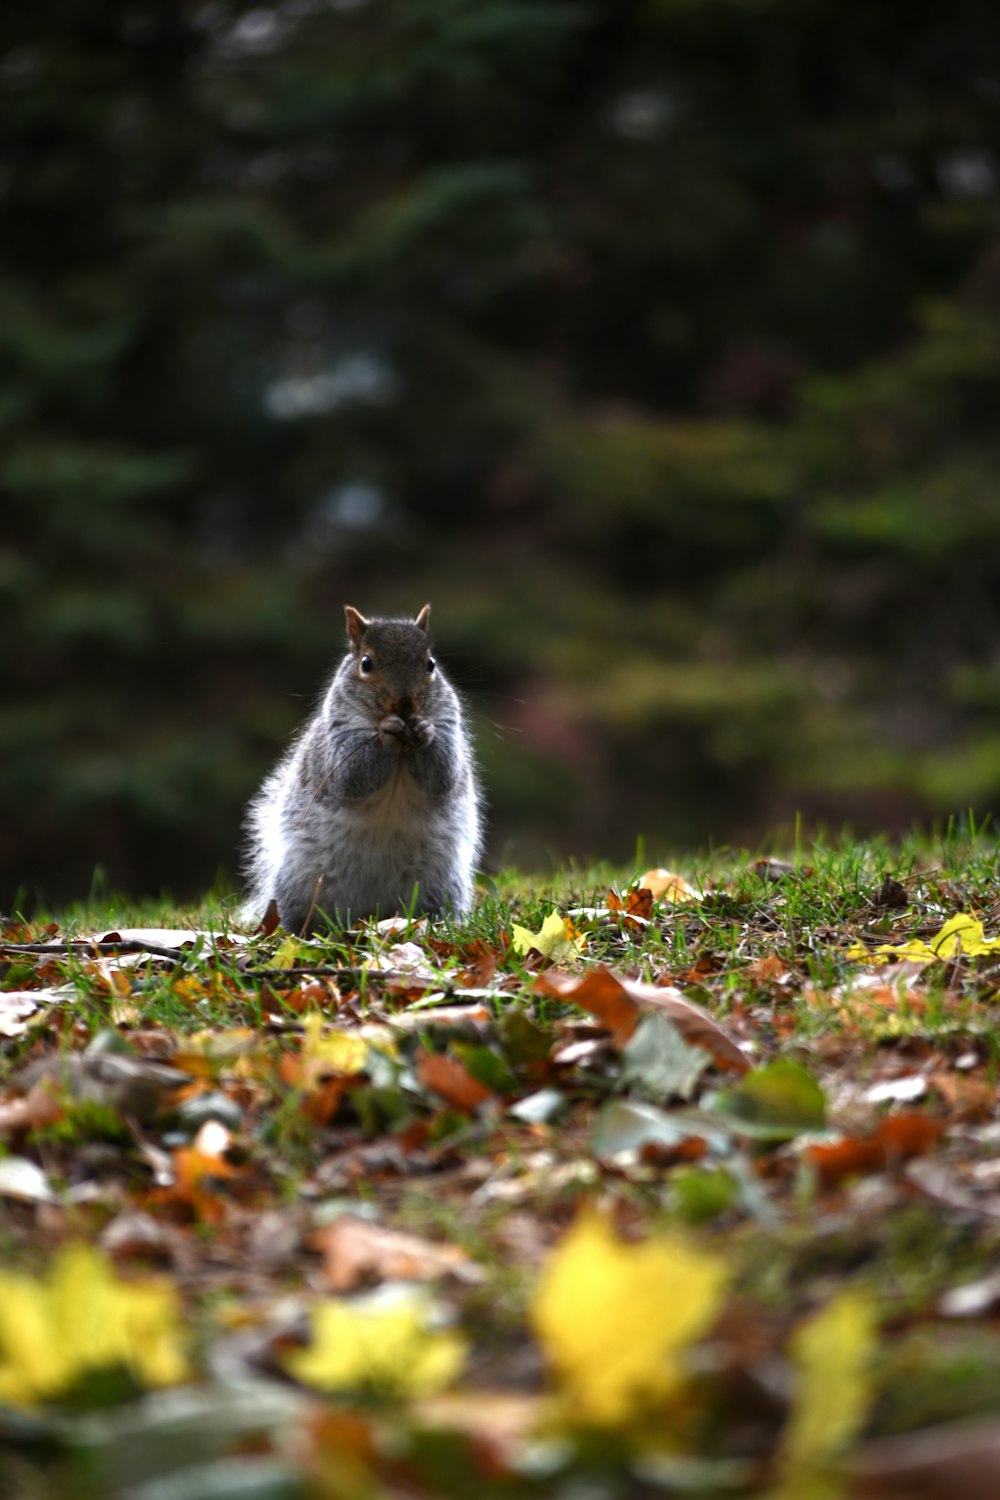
x,y
891,893
618,1003
358,1253
636,909
43,1104
454,1083
769,970
898,1138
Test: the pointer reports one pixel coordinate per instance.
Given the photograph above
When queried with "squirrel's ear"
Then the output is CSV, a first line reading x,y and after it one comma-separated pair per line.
x,y
423,620
356,623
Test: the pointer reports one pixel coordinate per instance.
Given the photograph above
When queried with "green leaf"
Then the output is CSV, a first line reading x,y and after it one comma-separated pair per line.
x,y
629,1124
775,1102
658,1061
704,1192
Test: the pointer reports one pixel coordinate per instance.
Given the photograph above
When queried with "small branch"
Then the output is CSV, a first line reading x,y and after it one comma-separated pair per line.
x,y
87,949
354,976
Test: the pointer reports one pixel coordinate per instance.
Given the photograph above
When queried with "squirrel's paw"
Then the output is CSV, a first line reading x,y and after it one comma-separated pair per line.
x,y
407,734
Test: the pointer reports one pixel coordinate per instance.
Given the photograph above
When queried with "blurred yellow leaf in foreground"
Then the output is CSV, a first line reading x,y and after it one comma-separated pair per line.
x,y
389,1350
81,1319
831,1352
615,1318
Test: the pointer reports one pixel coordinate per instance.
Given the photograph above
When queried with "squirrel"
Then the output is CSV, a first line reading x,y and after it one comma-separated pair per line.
x,y
376,807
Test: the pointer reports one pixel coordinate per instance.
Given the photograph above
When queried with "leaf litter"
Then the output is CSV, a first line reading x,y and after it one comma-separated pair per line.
x,y
669,1182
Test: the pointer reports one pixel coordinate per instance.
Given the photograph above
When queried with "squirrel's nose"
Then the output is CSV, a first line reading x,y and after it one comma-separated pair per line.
x,y
404,706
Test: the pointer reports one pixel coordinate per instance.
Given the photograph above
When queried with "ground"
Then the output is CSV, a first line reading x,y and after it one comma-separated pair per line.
x,y
626,1185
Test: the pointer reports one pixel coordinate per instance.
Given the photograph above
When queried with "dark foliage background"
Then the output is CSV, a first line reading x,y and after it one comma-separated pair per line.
x,y
657,344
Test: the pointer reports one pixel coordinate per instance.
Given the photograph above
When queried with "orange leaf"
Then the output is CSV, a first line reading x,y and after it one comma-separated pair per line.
x,y
618,1003
898,1138
664,885
455,1084
636,909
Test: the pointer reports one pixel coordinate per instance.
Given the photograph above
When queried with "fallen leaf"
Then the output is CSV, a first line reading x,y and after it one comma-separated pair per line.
x,y
131,1085
22,1178
636,909
898,1138
629,1126
657,1059
832,1353
618,1003
16,1006
556,940
357,1253
447,1077
775,1102
960,935
665,885
43,1104
615,1319
973,1299
384,1348
80,1319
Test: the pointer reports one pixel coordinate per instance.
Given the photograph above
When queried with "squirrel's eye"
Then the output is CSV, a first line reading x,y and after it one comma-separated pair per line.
x,y
366,664
431,664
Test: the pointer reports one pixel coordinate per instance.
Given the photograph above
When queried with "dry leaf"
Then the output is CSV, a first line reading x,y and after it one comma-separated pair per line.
x,y
897,1139
665,885
618,1003
454,1083
357,1253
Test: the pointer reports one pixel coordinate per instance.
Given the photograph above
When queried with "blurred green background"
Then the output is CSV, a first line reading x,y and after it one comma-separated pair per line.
x,y
657,344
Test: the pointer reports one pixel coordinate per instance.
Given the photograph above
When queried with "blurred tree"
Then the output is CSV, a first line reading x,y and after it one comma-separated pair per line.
x,y
657,344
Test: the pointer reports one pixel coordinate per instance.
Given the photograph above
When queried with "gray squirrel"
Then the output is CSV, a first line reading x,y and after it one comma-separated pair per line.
x,y
376,807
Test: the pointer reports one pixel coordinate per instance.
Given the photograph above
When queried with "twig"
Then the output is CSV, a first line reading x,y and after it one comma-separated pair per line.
x,y
354,975
85,947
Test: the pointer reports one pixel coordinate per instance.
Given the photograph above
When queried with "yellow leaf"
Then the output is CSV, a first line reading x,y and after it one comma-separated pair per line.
x,y
960,934
614,1319
388,1350
340,1052
288,953
832,1353
82,1319
557,939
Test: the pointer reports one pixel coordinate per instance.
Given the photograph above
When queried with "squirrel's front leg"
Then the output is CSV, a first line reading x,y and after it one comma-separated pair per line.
x,y
362,767
428,756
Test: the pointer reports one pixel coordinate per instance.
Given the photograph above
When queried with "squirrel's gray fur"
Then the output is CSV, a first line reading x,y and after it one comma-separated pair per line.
x,y
377,798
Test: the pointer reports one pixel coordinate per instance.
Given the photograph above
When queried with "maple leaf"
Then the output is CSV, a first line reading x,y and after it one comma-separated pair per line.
x,y
615,1318
81,1319
960,935
384,1347
557,939
636,910
832,1353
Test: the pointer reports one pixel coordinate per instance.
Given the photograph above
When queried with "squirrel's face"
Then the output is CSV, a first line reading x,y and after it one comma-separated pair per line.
x,y
393,664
